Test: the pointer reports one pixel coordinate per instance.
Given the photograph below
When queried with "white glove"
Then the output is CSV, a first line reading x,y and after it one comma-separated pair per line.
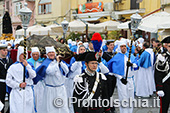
x,y
1,106
160,93
161,58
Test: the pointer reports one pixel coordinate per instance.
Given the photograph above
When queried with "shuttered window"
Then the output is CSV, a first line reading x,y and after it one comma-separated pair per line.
x,y
44,7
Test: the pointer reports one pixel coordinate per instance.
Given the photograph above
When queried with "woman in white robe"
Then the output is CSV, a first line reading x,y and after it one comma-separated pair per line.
x,y
21,100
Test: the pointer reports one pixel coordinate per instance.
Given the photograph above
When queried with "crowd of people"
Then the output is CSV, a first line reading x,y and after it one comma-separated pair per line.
x,y
136,69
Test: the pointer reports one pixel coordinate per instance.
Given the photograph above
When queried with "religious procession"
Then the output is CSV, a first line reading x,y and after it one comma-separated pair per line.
x,y
103,63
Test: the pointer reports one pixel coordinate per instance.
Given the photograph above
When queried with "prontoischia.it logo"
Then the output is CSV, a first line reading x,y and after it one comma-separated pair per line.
x,y
131,102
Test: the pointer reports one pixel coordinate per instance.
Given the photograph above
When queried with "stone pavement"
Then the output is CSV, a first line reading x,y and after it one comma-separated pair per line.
x,y
142,109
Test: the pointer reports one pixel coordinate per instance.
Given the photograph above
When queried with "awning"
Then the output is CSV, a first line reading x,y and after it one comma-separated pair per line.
x,y
154,22
92,16
44,1
126,12
91,19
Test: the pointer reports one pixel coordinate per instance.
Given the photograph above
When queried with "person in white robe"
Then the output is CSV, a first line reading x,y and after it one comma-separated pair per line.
x,y
76,68
118,66
145,73
21,96
36,60
52,70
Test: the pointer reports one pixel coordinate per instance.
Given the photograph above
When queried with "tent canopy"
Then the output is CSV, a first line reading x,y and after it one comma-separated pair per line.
x,y
155,22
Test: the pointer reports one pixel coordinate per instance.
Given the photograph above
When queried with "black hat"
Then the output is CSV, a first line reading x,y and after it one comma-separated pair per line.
x,y
7,25
166,40
87,56
92,56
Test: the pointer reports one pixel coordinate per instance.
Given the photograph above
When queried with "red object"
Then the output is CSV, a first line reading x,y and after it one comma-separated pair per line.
x,y
14,54
160,104
96,36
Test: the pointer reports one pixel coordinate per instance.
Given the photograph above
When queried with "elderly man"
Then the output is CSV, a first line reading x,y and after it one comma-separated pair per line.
x,y
118,68
35,57
21,96
5,62
90,85
36,60
162,77
52,71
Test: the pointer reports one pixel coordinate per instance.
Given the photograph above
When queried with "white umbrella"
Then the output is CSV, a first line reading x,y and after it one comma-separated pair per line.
x,y
124,25
110,25
37,30
55,29
155,22
95,28
77,26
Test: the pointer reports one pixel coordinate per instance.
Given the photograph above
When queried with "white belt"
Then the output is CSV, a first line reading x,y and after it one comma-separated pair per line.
x,y
2,80
166,77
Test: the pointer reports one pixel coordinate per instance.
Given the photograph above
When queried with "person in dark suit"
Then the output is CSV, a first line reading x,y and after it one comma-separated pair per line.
x,y
162,77
5,62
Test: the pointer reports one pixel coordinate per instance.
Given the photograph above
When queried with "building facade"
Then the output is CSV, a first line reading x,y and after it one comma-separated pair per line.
x,y
1,15
13,7
120,9
50,11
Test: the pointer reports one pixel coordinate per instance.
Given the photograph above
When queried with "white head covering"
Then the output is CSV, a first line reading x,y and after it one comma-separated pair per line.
x,y
123,40
50,49
86,44
69,41
34,49
17,41
20,51
73,43
140,45
120,44
140,40
79,43
79,48
116,42
129,41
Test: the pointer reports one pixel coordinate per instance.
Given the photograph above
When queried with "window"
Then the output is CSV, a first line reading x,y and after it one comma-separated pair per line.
x,y
7,5
134,5
18,6
44,7
88,1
